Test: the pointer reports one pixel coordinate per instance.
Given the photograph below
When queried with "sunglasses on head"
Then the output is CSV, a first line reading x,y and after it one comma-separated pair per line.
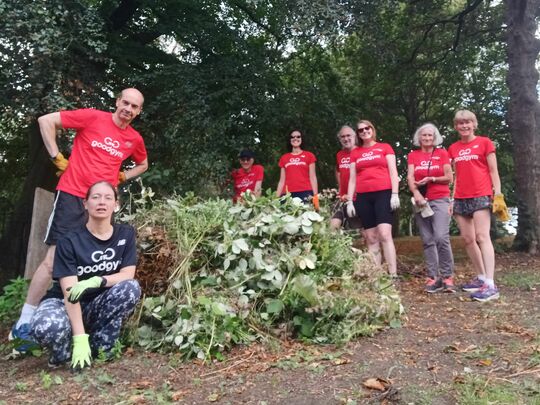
x,y
296,137
363,129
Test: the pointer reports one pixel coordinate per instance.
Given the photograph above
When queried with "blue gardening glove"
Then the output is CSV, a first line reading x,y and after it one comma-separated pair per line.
x,y
81,355
78,290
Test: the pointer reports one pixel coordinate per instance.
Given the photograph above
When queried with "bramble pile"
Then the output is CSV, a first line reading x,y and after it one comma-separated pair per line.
x,y
246,272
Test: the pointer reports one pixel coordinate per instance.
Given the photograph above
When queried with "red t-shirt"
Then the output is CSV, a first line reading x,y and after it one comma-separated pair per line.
x,y
420,161
297,171
98,150
372,168
472,171
244,181
343,163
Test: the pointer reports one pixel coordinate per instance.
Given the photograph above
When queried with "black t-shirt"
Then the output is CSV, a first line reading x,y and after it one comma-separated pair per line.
x,y
81,254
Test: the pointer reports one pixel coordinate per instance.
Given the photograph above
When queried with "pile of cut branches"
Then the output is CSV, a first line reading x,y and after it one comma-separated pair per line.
x,y
268,267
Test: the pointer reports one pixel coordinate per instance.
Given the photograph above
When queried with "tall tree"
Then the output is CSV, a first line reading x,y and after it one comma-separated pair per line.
x,y
524,115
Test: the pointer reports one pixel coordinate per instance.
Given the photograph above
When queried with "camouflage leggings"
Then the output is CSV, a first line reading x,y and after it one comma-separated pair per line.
x,y
102,317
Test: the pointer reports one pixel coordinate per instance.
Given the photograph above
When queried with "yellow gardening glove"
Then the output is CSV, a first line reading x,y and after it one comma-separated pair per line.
x,y
60,162
122,177
500,209
81,355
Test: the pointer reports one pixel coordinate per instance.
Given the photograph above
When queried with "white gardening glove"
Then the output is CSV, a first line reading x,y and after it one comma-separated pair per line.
x,y
394,201
351,212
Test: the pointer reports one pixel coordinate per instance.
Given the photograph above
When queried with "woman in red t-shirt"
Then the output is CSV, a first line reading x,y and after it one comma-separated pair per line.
x,y
374,179
298,175
477,177
428,176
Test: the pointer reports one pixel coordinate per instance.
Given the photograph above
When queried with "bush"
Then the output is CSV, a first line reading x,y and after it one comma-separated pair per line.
x,y
267,267
12,300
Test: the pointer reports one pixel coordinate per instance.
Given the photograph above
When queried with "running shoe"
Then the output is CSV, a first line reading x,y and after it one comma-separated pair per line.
x,y
433,285
448,285
22,341
475,285
486,293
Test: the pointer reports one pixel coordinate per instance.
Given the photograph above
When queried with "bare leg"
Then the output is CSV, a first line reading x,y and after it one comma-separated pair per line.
x,y
389,249
335,224
372,241
468,234
41,279
482,223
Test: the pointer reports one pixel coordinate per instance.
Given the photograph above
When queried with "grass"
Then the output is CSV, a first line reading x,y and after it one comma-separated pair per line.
x,y
478,390
518,279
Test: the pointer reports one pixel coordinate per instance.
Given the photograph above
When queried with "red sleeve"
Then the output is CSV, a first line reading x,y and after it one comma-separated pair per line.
x,y
388,150
139,152
282,160
445,159
77,119
490,147
312,158
260,174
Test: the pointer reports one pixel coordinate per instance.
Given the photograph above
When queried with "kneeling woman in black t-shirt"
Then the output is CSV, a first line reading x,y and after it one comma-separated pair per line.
x,y
93,289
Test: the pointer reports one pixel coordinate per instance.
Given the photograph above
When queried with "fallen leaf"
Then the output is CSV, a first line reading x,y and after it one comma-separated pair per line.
x,y
340,361
213,397
485,362
137,399
178,395
376,384
141,384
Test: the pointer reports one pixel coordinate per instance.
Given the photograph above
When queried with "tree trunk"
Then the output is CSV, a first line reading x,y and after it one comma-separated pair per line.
x,y
524,116
15,238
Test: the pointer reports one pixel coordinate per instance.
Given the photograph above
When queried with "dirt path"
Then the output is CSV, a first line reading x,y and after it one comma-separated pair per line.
x,y
449,350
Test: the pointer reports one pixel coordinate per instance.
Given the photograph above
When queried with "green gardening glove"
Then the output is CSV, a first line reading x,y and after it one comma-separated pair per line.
x,y
81,355
78,290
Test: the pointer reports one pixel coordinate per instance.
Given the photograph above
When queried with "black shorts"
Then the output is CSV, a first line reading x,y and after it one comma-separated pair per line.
x,y
468,206
303,195
68,213
374,208
340,212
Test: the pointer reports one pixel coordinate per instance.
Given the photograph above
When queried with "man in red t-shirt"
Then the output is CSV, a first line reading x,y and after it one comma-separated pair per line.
x,y
102,142
247,177
347,139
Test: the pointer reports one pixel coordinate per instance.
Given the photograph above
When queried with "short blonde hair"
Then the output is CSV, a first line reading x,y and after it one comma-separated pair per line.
x,y
437,138
466,115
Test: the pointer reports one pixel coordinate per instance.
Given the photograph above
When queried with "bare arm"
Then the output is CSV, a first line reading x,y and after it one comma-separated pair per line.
x,y
494,173
257,189
281,183
418,197
313,179
48,125
137,170
74,311
351,188
338,180
392,168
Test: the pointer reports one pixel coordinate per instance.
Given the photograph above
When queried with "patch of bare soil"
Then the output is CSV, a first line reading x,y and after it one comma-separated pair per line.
x,y
444,339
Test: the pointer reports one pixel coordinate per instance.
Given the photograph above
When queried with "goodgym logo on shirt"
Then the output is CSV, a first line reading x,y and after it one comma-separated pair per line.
x,y
295,161
466,155
345,163
369,155
103,260
109,145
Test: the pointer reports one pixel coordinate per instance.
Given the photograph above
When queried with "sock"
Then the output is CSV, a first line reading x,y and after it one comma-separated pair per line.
x,y
26,314
481,277
489,282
